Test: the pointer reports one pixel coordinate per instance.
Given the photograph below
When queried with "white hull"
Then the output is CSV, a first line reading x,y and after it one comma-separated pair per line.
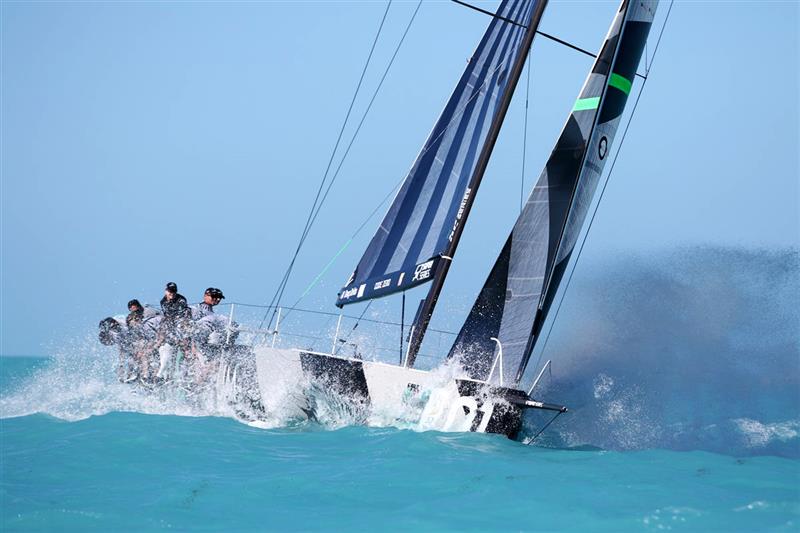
x,y
291,381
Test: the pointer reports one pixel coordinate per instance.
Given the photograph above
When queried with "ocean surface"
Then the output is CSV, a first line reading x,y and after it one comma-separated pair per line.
x,y
82,452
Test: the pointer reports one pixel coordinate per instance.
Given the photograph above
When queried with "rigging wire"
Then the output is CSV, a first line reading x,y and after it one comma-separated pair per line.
x,y
603,189
328,313
493,15
309,220
530,441
344,341
369,106
525,140
539,32
347,151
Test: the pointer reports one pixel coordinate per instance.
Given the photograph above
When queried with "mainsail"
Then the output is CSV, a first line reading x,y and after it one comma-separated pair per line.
x,y
514,301
420,228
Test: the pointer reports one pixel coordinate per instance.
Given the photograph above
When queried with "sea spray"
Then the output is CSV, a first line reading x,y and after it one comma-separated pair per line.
x,y
80,381
674,350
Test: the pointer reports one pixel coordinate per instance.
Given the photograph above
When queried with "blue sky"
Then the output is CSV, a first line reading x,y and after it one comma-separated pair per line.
x,y
144,142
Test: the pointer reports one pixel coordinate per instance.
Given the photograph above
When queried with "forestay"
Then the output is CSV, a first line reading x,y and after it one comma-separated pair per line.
x,y
418,227
517,295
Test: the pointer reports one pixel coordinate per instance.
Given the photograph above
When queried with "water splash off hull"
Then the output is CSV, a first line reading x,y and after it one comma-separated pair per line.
x,y
77,387
337,391
272,389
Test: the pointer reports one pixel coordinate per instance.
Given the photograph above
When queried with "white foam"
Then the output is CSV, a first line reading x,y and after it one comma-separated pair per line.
x,y
81,382
602,386
758,434
752,506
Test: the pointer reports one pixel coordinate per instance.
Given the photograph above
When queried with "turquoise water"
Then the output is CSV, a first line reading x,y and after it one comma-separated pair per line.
x,y
82,463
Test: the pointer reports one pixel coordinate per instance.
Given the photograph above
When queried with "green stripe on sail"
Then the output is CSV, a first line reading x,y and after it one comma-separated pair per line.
x,y
582,104
621,83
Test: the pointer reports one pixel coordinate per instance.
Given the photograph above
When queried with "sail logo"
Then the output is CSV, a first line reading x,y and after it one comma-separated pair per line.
x,y
602,147
382,284
349,293
423,271
355,291
460,213
351,278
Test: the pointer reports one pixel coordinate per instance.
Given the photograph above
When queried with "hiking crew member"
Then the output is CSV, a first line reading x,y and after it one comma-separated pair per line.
x,y
143,327
173,332
211,297
113,332
135,312
173,305
210,331
134,322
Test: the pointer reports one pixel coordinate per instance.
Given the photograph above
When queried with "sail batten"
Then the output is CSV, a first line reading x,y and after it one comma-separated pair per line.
x,y
532,262
418,227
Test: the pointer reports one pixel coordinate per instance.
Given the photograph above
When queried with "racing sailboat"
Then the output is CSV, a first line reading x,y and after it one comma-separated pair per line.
x,y
416,242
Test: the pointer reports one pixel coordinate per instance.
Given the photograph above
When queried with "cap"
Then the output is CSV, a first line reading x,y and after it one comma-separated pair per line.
x,y
134,302
215,293
171,287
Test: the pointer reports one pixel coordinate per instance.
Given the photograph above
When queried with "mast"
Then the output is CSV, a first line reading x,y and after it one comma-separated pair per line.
x,y
443,266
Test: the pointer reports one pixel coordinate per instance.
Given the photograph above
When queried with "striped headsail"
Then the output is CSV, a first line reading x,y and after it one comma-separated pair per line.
x,y
418,227
519,291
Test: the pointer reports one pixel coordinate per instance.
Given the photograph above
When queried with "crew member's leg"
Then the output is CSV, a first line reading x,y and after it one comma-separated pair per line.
x,y
166,354
143,363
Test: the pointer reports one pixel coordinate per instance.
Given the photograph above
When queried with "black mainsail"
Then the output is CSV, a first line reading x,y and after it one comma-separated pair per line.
x,y
421,228
514,302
